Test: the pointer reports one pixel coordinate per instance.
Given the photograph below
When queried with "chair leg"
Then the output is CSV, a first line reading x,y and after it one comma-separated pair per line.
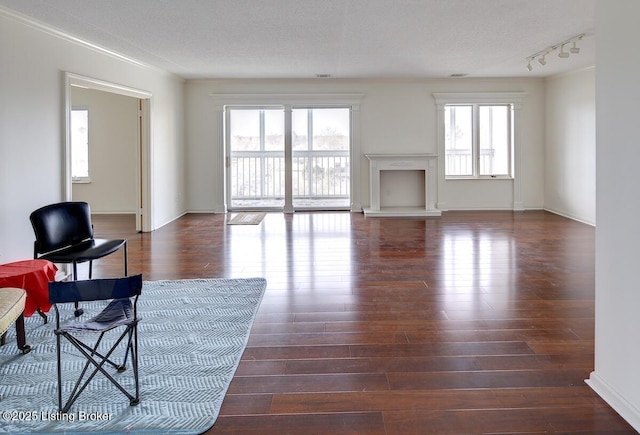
x,y
125,259
59,358
134,364
21,335
78,311
98,361
45,319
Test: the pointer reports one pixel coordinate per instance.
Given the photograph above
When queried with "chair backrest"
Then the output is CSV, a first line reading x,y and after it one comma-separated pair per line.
x,y
57,226
95,289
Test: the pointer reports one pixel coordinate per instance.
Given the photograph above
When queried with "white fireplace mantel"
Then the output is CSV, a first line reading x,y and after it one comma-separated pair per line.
x,y
399,162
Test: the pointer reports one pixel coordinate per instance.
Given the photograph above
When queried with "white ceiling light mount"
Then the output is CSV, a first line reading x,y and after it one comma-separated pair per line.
x,y
541,55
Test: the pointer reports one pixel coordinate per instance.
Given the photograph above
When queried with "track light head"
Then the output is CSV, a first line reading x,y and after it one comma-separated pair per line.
x,y
574,49
529,67
542,60
563,54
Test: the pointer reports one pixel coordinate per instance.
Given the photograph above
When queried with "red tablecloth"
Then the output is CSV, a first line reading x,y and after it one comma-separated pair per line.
x,y
34,277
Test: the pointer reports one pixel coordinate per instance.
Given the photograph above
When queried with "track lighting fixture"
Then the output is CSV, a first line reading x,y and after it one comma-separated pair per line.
x,y
541,55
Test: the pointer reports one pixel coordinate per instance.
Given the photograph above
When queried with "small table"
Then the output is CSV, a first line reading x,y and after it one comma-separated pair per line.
x,y
33,276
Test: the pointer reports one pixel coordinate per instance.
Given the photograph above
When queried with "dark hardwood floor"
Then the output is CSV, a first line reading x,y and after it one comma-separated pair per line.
x,y
475,322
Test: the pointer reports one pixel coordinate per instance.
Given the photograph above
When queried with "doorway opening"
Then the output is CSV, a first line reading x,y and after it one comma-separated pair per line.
x,y
137,158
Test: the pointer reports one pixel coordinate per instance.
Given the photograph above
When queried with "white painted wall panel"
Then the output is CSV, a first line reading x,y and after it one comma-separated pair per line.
x,y
396,117
617,352
32,69
570,152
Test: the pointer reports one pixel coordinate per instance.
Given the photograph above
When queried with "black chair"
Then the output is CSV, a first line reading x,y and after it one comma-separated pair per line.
x,y
119,314
64,234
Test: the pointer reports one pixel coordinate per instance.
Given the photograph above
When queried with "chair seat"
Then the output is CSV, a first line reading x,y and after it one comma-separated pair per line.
x,y
119,312
85,251
12,302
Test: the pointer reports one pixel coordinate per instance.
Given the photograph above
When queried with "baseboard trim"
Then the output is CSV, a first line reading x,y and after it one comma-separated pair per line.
x,y
171,220
454,208
622,406
203,212
568,216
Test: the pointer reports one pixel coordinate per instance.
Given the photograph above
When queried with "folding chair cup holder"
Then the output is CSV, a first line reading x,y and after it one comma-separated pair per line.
x,y
120,315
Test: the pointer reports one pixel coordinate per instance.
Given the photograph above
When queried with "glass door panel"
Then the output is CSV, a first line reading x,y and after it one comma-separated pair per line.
x,y
321,166
256,150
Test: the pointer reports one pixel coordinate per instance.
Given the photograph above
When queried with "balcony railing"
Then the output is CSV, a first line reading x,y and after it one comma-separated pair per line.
x,y
315,175
460,162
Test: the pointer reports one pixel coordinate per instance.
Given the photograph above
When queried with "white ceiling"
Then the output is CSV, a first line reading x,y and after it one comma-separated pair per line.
x,y
344,38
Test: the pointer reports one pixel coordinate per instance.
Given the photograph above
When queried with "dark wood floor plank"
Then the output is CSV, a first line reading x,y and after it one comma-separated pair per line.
x,y
246,404
599,420
472,322
313,339
487,379
431,364
381,401
442,349
312,423
309,383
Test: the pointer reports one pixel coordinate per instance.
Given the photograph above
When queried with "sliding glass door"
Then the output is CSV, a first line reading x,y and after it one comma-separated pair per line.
x,y
319,171
256,156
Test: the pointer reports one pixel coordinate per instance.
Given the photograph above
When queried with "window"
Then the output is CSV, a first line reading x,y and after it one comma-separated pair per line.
x,y
478,140
80,145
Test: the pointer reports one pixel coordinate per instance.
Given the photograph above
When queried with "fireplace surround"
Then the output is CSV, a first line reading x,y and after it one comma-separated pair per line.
x,y
379,163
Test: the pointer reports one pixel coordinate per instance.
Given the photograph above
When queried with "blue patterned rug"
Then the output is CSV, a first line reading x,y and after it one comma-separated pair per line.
x,y
191,338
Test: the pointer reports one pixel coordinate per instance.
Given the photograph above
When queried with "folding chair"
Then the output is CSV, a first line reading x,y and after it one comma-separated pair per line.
x,y
120,313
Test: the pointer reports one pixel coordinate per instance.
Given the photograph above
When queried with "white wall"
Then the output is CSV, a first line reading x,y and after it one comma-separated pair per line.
x,y
113,145
570,152
617,348
395,117
32,69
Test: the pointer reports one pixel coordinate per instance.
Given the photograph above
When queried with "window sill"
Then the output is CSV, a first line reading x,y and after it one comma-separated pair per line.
x,y
81,181
497,177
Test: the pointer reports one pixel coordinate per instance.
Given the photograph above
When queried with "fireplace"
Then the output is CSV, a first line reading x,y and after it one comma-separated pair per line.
x,y
384,182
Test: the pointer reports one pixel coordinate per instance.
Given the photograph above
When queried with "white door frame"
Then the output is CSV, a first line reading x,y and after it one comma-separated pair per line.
x,y
143,168
288,101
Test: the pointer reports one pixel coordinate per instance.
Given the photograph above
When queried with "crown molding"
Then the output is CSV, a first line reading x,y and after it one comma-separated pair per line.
x,y
60,34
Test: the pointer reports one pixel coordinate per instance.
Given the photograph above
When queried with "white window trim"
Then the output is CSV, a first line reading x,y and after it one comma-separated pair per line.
x,y
476,175
288,101
515,98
